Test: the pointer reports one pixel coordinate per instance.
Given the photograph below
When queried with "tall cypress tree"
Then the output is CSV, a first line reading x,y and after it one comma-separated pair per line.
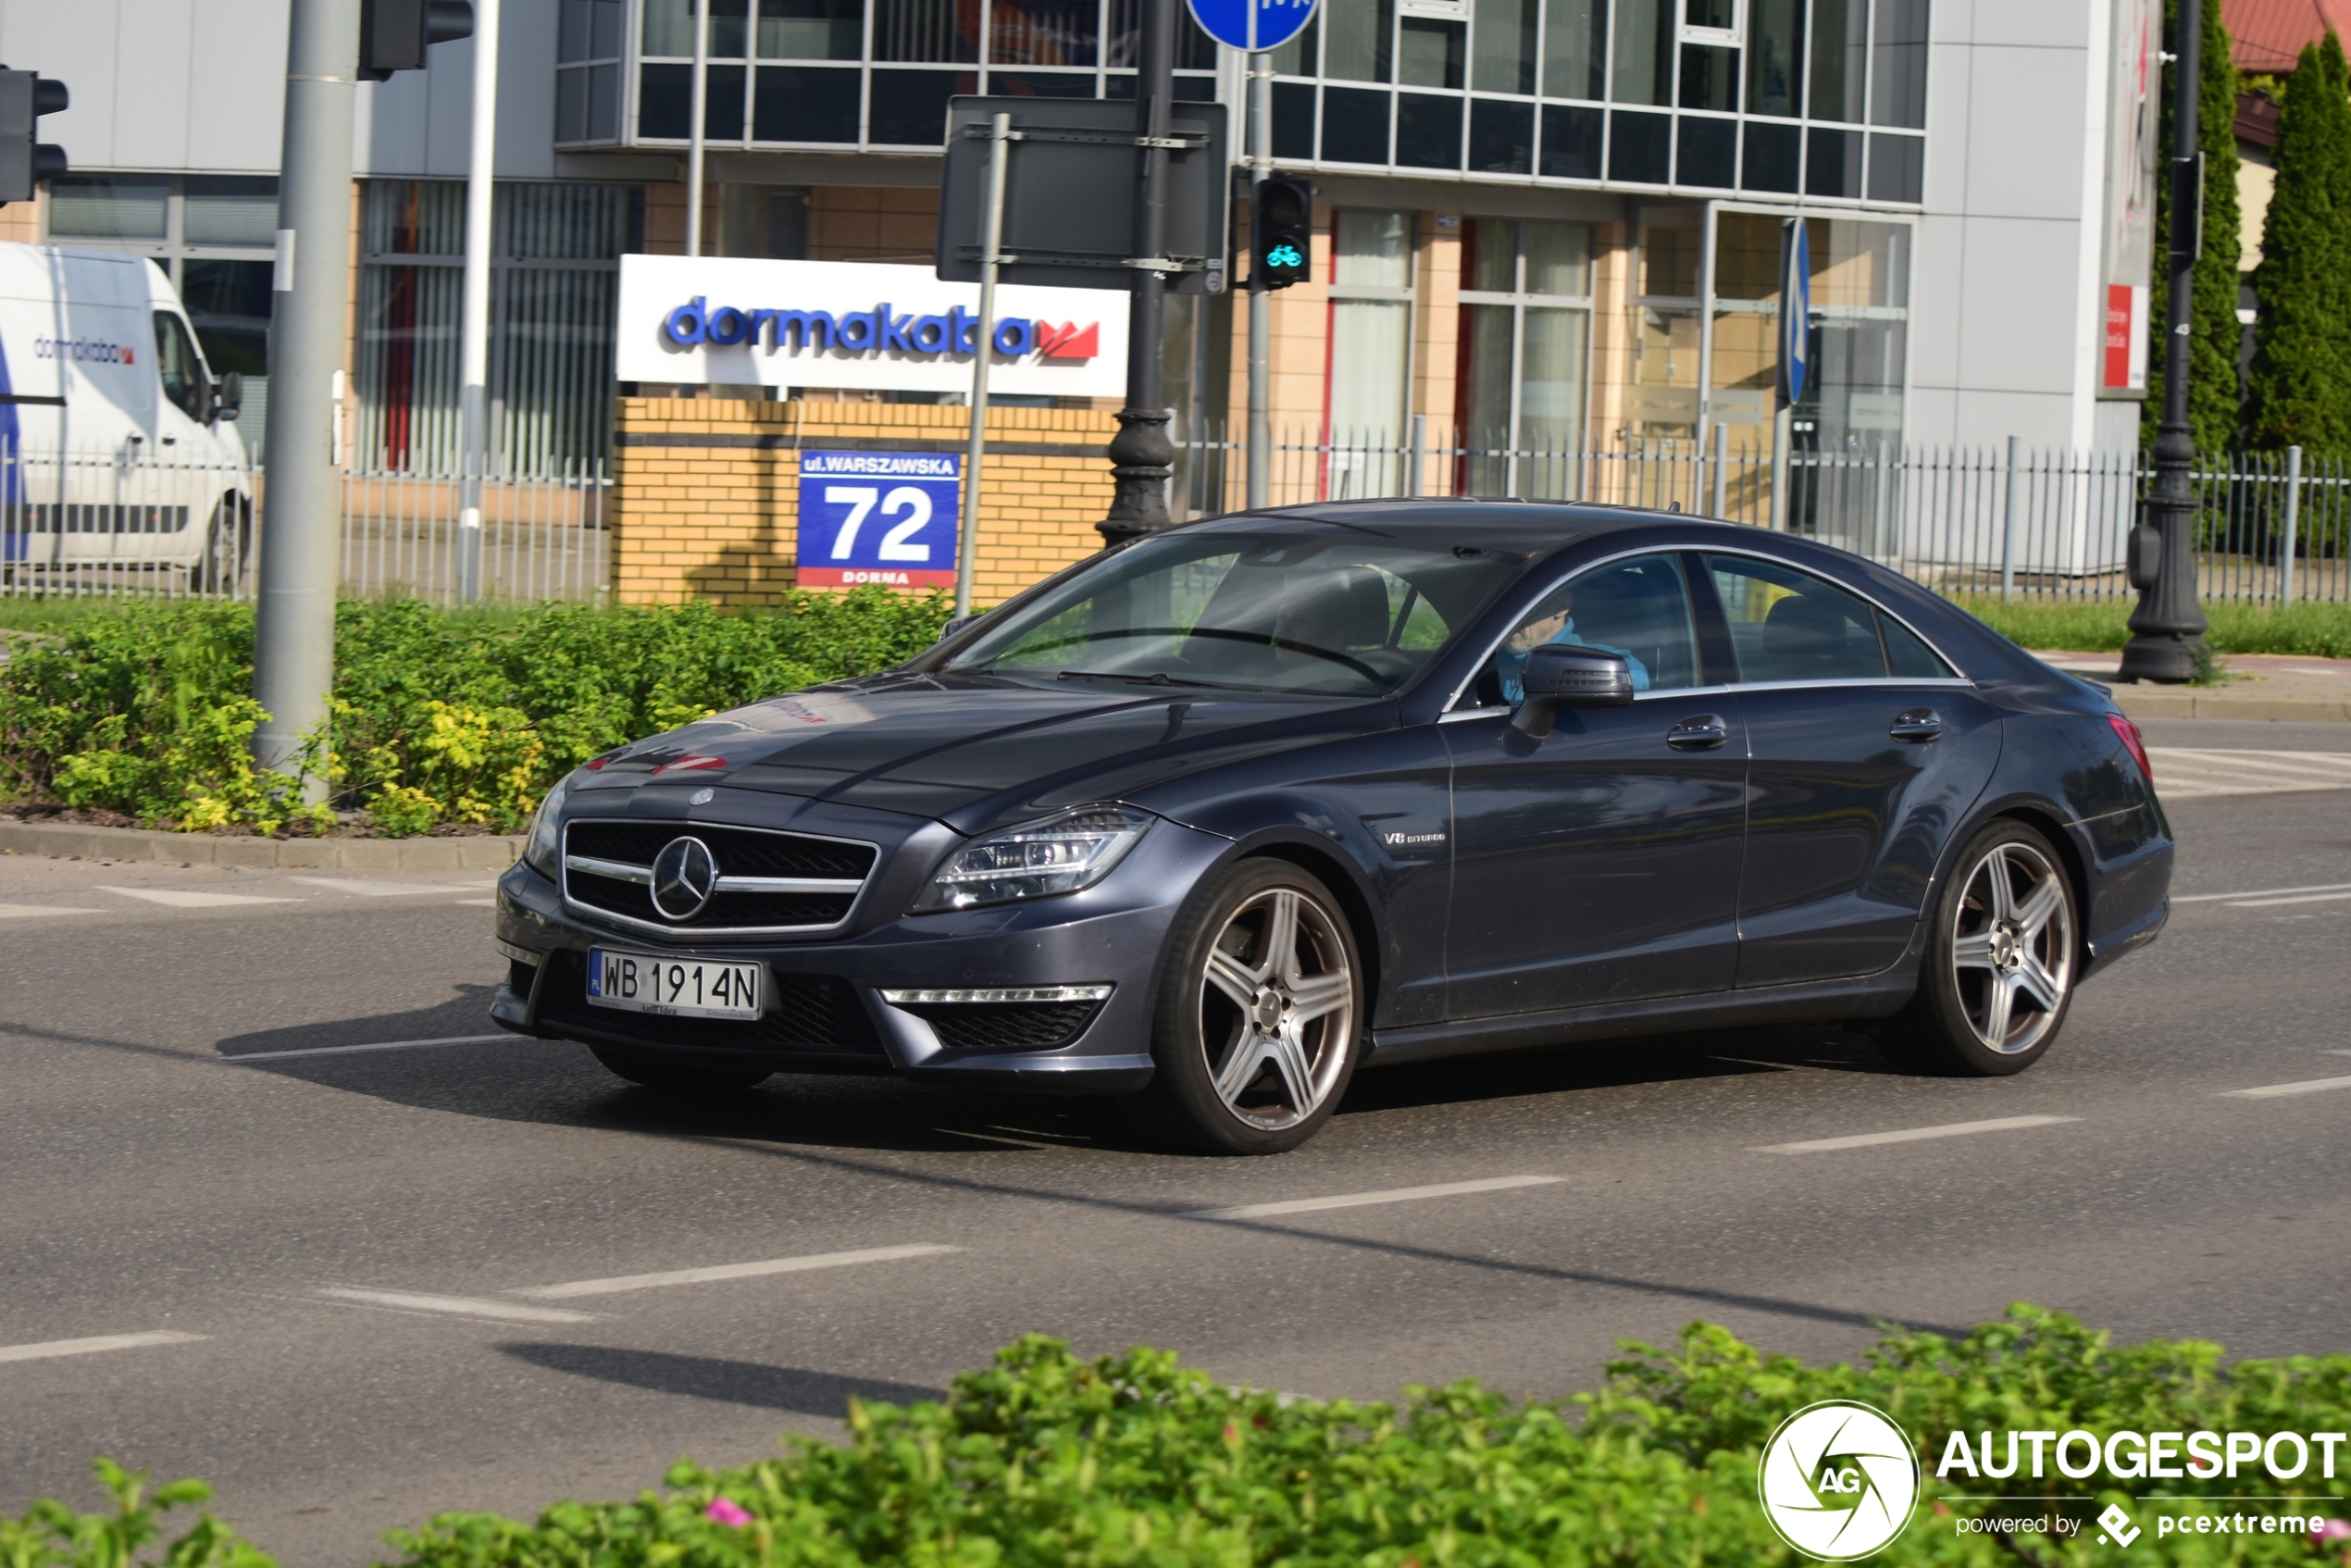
x,y
2214,411
2301,378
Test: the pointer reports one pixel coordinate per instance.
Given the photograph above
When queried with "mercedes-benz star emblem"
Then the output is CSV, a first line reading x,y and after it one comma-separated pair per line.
x,y
685,874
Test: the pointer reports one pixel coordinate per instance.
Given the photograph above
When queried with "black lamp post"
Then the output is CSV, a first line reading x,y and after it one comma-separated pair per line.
x,y
1142,455
2167,630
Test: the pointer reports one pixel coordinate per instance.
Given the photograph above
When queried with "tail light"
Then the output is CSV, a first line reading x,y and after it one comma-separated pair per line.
x,y
2132,743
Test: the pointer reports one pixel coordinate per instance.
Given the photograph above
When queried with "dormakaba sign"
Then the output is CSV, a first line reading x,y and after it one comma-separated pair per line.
x,y
859,327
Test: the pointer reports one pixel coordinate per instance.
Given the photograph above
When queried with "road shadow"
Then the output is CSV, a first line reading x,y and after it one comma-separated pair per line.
x,y
791,1389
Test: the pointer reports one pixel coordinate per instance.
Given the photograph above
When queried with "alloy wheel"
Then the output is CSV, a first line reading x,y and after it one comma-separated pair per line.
x,y
2012,948
1277,1009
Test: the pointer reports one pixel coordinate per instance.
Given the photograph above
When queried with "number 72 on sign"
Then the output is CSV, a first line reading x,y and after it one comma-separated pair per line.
x,y
887,518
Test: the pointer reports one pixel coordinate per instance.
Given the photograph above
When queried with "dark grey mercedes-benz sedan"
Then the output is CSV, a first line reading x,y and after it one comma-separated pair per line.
x,y
1212,820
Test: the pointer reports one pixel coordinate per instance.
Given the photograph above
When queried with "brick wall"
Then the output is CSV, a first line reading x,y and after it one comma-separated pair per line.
x,y
706,491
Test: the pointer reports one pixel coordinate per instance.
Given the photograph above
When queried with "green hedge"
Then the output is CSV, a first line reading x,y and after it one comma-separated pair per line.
x,y
438,715
1047,1461
2100,626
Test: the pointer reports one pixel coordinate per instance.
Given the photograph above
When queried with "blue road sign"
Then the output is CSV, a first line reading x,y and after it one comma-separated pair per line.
x,y
1252,24
884,518
1796,310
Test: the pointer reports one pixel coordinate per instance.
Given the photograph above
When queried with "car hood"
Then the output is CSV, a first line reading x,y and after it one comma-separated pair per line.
x,y
974,752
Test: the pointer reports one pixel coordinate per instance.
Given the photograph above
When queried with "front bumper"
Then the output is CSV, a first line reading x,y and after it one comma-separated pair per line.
x,y
826,1012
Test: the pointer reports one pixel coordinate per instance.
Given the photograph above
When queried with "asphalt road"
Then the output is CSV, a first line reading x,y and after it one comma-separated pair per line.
x,y
272,1222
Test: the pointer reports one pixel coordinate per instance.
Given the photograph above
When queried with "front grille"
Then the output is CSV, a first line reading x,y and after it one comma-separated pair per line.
x,y
806,1012
1004,1026
739,852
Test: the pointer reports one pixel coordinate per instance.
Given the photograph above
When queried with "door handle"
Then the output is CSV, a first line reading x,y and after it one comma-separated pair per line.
x,y
1918,725
1700,734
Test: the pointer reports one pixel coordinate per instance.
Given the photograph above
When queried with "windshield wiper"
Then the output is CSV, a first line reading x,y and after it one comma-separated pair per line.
x,y
1157,678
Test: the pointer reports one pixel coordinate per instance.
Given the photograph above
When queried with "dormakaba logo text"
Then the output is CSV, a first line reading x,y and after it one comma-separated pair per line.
x,y
1838,1480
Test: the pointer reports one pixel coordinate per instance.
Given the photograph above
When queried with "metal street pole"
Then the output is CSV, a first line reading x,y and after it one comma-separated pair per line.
x,y
1000,150
701,111
1141,456
473,331
295,637
2167,630
1261,307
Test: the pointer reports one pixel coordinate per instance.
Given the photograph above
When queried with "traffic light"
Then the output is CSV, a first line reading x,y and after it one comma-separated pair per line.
x,y
25,163
1281,233
393,33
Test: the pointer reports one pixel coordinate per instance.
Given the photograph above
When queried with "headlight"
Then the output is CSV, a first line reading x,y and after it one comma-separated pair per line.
x,y
1058,854
543,852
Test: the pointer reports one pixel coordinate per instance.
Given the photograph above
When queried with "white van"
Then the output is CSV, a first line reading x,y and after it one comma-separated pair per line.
x,y
118,462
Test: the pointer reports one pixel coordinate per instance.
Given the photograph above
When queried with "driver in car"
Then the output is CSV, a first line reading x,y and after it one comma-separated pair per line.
x,y
1558,625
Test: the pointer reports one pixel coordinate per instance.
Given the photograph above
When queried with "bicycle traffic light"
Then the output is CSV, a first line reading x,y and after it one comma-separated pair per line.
x,y
25,163
1281,233
393,34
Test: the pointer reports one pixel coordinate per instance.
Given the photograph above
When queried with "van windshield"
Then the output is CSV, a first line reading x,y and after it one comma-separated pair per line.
x,y
1321,614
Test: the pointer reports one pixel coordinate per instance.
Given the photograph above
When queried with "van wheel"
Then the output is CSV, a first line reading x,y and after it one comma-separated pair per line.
x,y
2000,962
677,1077
1261,1016
228,545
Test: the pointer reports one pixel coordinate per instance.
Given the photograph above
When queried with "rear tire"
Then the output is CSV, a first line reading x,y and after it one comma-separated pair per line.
x,y
228,545
677,1077
1259,1024
2002,957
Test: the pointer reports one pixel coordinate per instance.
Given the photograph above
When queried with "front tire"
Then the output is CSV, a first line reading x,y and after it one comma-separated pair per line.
x,y
1260,1017
2002,957
677,1077
228,545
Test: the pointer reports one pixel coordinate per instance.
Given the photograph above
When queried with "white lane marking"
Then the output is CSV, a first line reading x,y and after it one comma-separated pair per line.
x,y
386,889
1357,1200
22,911
730,1271
480,904
2298,898
453,1306
2184,773
377,1045
179,898
2261,892
2270,1091
93,1346
1912,1134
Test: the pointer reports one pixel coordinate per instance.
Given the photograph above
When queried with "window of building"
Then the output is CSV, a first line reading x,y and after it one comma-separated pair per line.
x,y
1714,95
1525,351
848,73
1370,352
554,271
213,237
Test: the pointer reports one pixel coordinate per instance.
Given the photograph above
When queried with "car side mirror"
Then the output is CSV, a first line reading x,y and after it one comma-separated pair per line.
x,y
229,400
958,624
1563,676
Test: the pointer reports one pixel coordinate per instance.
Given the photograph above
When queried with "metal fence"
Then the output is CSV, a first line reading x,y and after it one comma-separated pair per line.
x,y
2271,528
104,524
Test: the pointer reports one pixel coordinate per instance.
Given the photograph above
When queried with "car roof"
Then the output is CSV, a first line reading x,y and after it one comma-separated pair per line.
x,y
1533,527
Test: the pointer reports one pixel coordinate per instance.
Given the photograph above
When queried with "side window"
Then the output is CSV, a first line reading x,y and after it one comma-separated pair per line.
x,y
1910,659
1639,608
1788,625
176,364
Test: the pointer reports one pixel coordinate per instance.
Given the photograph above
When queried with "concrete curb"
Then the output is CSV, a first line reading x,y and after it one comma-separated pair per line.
x,y
2175,702
486,853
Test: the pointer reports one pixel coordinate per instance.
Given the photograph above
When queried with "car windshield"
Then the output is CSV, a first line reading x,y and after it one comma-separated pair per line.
x,y
1314,612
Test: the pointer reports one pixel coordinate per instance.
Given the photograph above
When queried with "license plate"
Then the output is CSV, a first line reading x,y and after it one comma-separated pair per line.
x,y
686,987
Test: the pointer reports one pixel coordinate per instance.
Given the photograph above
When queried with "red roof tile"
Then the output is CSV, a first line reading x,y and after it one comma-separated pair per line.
x,y
2268,35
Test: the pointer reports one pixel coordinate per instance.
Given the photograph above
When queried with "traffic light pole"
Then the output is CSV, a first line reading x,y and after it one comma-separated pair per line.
x,y
1261,308
294,639
1141,456
474,329
2166,629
